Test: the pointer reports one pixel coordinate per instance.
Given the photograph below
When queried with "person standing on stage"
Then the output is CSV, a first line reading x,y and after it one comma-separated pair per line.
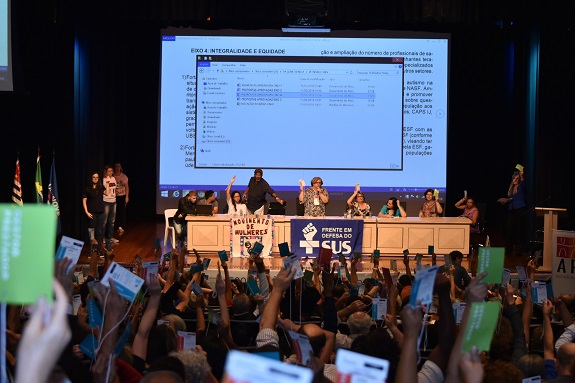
x,y
93,202
122,197
256,193
109,206
516,206
314,198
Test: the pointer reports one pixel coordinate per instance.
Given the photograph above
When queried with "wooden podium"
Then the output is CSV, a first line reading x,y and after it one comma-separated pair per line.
x,y
549,215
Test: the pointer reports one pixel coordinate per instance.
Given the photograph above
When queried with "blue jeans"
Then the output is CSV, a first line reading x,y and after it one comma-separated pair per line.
x,y
108,226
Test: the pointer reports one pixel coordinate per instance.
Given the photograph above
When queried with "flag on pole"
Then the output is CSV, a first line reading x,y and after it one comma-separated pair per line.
x,y
17,188
53,195
39,195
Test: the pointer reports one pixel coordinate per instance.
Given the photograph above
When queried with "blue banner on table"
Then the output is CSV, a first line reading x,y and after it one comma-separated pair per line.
x,y
343,236
246,231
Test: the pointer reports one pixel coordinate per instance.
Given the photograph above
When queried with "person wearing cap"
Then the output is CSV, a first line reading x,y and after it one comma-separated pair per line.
x,y
314,198
256,193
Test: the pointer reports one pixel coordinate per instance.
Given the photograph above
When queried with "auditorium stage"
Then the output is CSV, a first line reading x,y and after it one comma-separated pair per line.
x,y
140,235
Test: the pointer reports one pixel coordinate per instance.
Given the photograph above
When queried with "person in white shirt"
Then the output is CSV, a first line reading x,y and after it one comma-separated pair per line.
x,y
235,204
109,206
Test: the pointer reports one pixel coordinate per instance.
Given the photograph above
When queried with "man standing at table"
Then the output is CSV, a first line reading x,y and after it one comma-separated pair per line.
x,y
314,198
256,193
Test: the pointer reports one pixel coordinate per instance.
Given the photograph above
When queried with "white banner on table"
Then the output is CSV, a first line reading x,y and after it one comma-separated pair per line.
x,y
245,231
563,273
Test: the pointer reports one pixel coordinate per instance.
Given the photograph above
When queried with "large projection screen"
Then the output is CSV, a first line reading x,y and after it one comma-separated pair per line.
x,y
367,107
5,47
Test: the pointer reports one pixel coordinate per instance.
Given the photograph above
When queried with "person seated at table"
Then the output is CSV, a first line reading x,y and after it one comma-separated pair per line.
x,y
313,198
469,211
186,205
392,209
210,199
234,199
431,206
356,204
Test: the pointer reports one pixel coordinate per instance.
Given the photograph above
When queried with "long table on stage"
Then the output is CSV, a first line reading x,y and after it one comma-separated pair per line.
x,y
389,235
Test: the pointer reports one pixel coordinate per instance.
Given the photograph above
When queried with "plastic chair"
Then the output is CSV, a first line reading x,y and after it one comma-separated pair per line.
x,y
169,213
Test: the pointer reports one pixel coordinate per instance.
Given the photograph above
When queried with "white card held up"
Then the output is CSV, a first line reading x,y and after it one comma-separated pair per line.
x,y
301,346
127,283
532,379
150,270
358,368
458,309
186,340
422,289
505,278
378,308
252,368
292,262
522,273
539,291
69,248
76,303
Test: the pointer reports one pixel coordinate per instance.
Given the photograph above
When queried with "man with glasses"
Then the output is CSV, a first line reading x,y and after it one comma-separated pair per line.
x,y
314,198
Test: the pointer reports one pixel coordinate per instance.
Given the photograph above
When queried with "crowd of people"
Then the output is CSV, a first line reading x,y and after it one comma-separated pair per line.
x,y
330,305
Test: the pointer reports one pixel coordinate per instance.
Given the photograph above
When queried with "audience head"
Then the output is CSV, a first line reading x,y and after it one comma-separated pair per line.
x,y
163,367
456,257
502,372
176,322
195,364
502,342
359,323
339,290
315,335
378,343
532,365
217,351
309,298
404,280
239,286
161,341
241,303
565,358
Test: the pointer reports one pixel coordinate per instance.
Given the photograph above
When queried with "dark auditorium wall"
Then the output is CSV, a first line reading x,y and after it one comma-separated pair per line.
x,y
115,118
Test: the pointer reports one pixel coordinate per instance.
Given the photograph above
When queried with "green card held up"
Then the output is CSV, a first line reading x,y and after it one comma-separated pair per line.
x,y
27,243
480,326
491,259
